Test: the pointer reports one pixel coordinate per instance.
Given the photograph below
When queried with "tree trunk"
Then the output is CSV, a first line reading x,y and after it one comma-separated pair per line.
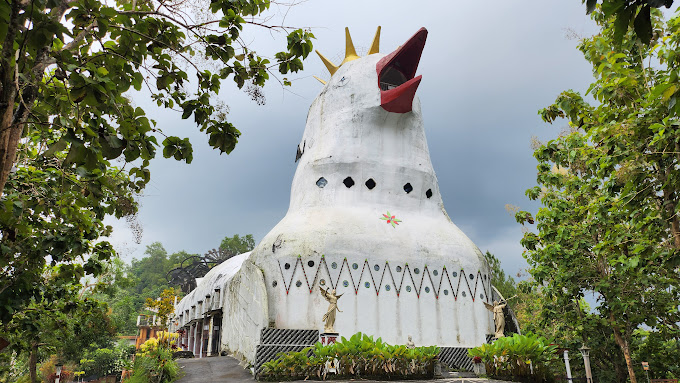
x,y
669,203
9,141
15,108
8,92
675,228
33,363
623,343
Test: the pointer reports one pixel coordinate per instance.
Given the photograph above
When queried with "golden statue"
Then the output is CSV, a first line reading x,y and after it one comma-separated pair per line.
x,y
498,316
329,316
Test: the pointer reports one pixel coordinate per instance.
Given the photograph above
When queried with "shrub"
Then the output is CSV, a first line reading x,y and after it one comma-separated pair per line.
x,y
154,366
47,372
512,358
358,356
100,362
154,363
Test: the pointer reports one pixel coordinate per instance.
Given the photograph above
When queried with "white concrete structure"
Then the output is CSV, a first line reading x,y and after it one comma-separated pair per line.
x,y
365,218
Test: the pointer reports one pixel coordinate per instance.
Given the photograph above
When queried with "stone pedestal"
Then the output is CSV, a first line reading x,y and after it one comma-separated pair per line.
x,y
327,338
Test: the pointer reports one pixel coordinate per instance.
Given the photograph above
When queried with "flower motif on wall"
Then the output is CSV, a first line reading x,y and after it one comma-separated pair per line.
x,y
390,219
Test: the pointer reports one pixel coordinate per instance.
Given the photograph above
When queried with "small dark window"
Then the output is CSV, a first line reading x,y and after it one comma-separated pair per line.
x,y
408,188
370,184
287,266
349,182
274,284
310,263
321,182
428,193
472,276
298,283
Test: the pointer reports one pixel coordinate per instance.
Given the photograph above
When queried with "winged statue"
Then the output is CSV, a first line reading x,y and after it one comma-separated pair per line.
x,y
329,316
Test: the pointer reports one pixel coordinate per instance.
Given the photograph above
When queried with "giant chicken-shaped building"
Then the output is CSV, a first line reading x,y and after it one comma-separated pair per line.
x,y
366,218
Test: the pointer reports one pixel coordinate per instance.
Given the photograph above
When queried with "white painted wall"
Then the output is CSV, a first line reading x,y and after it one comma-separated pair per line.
x,y
348,134
245,311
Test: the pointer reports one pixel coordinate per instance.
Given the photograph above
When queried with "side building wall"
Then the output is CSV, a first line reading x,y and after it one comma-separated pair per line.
x,y
225,312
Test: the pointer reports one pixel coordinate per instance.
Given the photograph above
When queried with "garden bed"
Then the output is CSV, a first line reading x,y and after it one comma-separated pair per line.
x,y
357,357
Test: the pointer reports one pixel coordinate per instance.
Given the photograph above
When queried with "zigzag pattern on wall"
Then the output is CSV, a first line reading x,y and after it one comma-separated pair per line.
x,y
462,279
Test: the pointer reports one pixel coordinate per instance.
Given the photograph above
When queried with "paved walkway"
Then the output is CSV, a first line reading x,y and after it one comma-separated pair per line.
x,y
217,369
225,369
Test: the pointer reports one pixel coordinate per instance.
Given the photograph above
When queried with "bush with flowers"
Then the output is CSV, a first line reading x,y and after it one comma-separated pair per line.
x,y
153,361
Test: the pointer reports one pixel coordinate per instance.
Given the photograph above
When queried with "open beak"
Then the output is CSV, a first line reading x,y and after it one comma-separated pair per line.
x,y
396,74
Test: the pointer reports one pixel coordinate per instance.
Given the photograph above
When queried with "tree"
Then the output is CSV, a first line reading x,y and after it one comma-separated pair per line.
x,y
150,271
624,12
145,279
163,306
61,321
663,354
50,216
609,189
66,66
505,284
73,148
238,245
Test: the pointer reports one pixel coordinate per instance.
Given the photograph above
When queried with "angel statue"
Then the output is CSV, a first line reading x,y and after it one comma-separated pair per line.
x,y
329,316
498,316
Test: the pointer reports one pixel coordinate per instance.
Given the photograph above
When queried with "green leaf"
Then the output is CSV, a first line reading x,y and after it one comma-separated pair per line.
x,y
590,6
162,82
137,80
621,23
55,147
643,24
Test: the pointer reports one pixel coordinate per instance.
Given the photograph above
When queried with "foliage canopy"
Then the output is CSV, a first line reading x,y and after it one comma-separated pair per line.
x,y
610,189
73,145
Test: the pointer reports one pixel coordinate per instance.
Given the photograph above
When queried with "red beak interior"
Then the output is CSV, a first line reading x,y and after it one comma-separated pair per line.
x,y
396,74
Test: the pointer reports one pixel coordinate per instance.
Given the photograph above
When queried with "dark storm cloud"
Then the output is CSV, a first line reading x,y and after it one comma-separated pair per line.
x,y
486,71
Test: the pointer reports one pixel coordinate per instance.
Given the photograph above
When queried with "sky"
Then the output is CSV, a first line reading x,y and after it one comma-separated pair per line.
x,y
487,67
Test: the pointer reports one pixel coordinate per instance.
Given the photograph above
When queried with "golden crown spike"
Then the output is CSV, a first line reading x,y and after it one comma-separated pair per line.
x,y
350,52
329,65
375,45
